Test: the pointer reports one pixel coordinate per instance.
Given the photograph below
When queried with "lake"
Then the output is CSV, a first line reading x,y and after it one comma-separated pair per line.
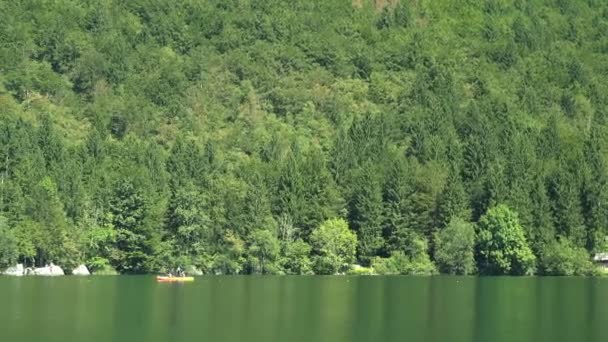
x,y
250,308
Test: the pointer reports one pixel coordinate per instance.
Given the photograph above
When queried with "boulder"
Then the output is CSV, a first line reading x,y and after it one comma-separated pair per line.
x,y
50,271
16,270
81,270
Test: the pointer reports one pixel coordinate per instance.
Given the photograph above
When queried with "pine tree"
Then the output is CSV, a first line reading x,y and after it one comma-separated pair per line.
x,y
564,192
398,206
595,193
365,213
136,241
453,202
56,242
188,225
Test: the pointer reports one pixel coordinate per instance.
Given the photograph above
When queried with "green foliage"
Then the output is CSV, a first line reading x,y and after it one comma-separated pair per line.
x,y
56,241
153,134
455,248
264,252
100,266
413,261
135,245
334,245
366,215
296,258
189,227
360,270
563,258
452,203
399,263
502,247
8,245
232,259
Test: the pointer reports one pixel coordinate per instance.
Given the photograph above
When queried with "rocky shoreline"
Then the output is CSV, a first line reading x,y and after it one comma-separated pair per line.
x,y
48,271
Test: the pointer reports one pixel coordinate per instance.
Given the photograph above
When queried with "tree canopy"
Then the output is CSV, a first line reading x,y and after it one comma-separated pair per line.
x,y
502,246
230,135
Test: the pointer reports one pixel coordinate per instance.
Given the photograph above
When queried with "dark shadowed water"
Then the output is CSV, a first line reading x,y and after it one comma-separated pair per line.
x,y
335,309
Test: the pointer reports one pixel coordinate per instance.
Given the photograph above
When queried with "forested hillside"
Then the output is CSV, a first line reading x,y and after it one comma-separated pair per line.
x,y
272,136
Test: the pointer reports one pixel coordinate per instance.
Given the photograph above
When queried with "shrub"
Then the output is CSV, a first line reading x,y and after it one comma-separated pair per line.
x,y
414,261
563,258
454,248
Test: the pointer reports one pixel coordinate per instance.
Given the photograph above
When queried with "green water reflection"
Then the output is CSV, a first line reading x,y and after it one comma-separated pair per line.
x,y
304,309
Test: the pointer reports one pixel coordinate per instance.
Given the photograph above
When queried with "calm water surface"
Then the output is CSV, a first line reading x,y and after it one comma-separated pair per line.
x,y
332,309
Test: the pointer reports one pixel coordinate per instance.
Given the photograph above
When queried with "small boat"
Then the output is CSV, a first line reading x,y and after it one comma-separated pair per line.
x,y
173,279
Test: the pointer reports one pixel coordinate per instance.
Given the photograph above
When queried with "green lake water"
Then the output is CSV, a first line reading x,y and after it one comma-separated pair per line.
x,y
249,308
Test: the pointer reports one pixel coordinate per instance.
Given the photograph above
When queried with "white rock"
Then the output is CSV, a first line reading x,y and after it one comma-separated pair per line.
x,y
81,270
16,270
51,270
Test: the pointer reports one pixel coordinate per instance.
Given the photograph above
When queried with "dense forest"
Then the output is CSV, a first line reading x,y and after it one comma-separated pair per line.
x,y
304,136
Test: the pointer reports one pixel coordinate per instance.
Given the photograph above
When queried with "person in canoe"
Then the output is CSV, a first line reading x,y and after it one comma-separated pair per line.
x,y
178,276
179,273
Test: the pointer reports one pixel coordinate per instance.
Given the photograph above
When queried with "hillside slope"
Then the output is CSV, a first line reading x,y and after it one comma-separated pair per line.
x,y
147,134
